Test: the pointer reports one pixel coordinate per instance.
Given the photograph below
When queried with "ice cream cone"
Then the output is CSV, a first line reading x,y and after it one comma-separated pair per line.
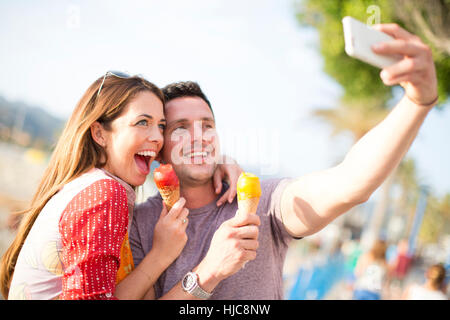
x,y
168,185
248,192
248,205
170,195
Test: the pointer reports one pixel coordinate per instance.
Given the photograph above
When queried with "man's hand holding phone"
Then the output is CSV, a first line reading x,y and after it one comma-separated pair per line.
x,y
415,72
402,56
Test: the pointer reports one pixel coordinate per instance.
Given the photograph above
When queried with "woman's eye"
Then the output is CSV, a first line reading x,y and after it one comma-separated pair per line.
x,y
162,126
142,122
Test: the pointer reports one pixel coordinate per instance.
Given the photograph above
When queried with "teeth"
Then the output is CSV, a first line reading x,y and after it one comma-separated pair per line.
x,y
197,154
147,153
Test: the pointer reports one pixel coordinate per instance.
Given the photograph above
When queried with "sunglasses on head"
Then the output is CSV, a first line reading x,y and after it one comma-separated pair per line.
x,y
118,74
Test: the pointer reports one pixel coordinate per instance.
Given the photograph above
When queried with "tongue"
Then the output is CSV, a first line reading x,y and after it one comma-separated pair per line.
x,y
142,164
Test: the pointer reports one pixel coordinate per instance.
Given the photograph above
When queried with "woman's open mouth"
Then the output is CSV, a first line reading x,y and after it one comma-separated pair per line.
x,y
143,160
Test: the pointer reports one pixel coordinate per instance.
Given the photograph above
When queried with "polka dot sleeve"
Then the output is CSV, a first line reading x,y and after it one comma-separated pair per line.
x,y
92,228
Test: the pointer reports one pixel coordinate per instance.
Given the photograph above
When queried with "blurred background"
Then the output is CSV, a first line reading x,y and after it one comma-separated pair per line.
x,y
287,100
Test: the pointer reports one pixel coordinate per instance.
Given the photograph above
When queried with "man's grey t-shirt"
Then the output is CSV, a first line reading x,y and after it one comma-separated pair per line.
x,y
260,279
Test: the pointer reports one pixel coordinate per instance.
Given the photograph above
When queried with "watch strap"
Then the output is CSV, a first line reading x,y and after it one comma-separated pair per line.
x,y
200,293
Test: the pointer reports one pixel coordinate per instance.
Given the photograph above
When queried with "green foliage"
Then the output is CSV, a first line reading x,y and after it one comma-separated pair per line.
x,y
436,220
365,96
359,80
443,74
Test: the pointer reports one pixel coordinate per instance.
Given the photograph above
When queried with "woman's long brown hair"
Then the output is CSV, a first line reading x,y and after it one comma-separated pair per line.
x,y
75,153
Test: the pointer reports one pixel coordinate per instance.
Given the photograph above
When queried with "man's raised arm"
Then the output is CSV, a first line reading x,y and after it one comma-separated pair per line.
x,y
311,202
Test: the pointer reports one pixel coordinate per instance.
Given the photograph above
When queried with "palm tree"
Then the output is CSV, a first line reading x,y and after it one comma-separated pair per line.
x,y
436,221
356,117
429,19
409,184
364,101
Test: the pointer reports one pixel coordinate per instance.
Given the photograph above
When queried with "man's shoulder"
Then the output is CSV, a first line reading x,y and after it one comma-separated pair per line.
x,y
269,186
270,183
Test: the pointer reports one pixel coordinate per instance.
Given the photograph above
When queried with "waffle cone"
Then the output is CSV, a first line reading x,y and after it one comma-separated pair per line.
x,y
248,205
170,195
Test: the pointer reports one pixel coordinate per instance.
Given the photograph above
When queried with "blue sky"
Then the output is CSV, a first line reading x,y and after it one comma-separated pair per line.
x,y
261,71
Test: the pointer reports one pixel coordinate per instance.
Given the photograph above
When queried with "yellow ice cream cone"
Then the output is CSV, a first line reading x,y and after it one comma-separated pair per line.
x,y
248,192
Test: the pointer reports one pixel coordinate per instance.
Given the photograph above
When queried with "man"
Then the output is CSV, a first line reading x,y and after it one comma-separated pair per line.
x,y
219,243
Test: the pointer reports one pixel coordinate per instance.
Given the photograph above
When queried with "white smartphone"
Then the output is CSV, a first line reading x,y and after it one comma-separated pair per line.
x,y
358,41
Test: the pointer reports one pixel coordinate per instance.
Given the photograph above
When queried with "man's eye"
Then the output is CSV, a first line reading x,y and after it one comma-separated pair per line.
x,y
162,126
180,128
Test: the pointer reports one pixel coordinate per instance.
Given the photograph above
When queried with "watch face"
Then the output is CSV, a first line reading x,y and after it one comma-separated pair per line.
x,y
189,282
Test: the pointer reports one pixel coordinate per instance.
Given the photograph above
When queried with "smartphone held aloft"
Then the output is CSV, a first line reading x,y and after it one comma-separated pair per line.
x,y
359,39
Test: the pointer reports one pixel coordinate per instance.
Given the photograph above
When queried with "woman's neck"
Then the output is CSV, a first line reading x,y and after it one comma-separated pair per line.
x,y
431,286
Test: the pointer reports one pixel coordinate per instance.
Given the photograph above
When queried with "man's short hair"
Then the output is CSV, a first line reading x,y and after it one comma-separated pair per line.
x,y
184,89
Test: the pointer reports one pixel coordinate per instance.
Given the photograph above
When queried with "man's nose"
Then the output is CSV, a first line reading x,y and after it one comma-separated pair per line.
x,y
197,134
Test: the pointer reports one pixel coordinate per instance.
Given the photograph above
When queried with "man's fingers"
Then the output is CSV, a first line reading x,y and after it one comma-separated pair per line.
x,y
229,196
249,255
232,191
398,47
248,251
247,232
217,180
394,30
405,66
248,244
223,198
240,220
406,77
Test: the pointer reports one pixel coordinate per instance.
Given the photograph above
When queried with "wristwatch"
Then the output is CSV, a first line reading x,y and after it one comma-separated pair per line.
x,y
190,285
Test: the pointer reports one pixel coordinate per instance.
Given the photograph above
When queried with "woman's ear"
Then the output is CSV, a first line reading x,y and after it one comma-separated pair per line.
x,y
97,133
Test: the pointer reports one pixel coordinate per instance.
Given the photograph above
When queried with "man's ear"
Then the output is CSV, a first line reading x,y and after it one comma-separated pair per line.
x,y
97,133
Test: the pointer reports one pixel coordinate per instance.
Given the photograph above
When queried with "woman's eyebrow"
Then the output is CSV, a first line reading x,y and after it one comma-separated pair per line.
x,y
150,117
145,115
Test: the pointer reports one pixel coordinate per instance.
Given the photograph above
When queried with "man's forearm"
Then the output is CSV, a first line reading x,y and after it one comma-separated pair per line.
x,y
374,156
312,201
206,281
234,243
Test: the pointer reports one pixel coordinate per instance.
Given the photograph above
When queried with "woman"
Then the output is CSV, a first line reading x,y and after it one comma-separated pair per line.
x,y
73,241
370,273
432,289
